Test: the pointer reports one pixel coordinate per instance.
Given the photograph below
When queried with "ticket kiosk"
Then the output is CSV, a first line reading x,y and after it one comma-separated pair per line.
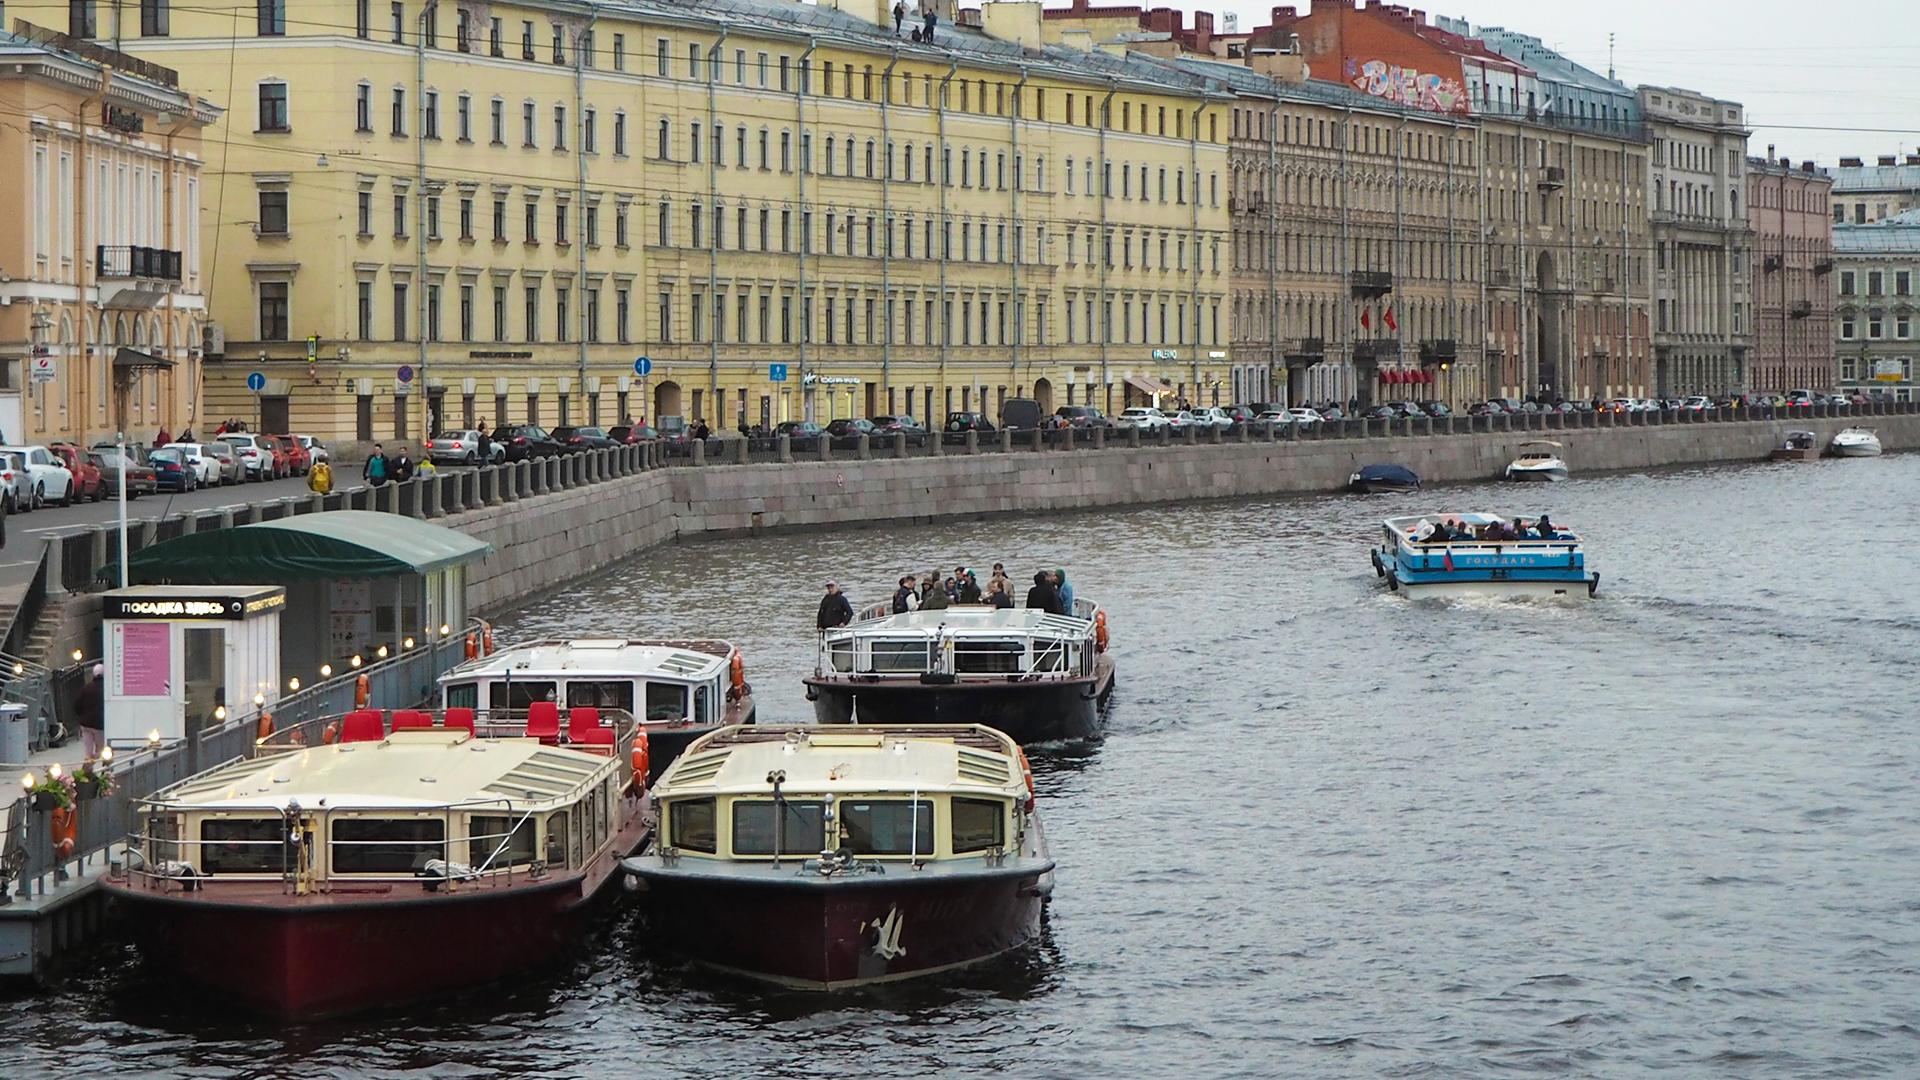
x,y
177,653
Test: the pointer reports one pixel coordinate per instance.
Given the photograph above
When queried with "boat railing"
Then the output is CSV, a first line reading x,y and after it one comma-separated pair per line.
x,y
487,724
912,653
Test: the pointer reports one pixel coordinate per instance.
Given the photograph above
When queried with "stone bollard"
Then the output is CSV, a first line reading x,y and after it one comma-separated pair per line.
x,y
522,485
1039,440
1004,439
1190,433
783,448
899,444
973,441
826,447
430,496
743,451
937,443
1246,433
699,448
863,447
1099,438
1213,434
1133,437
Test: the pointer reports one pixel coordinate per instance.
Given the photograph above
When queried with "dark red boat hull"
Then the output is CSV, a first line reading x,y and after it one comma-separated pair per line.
x,y
825,937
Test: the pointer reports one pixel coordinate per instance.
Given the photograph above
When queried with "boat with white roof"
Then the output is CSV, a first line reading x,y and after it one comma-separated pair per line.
x,y
1481,554
1855,442
1037,676
680,689
1539,461
822,858
368,860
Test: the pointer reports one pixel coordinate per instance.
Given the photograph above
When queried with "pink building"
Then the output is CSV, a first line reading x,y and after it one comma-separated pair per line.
x,y
1789,213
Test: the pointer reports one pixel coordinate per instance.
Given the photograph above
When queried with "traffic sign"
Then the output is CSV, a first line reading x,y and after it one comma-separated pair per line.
x,y
405,374
256,382
313,347
776,373
43,370
643,367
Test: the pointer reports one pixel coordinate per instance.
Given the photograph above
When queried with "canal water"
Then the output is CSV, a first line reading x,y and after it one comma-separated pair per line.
x,y
1330,833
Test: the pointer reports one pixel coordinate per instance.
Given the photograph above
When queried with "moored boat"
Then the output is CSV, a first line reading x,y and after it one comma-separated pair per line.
x,y
1037,676
345,866
1797,446
1856,442
1372,479
680,688
1471,554
1539,461
825,858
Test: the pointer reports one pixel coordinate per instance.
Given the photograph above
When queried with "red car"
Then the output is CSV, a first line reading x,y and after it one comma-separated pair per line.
x,y
299,458
282,460
88,484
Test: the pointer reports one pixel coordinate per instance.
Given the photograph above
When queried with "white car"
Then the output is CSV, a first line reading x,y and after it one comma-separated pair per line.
x,y
206,467
1142,416
1214,416
1306,417
1697,404
316,450
48,479
15,489
256,461
1274,418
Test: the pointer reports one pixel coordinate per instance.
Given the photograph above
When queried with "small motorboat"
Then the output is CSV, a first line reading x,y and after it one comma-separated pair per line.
x,y
821,858
1855,442
1539,461
1481,555
1372,479
1798,446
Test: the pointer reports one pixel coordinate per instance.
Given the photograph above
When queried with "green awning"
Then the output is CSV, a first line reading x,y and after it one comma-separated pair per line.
x,y
304,547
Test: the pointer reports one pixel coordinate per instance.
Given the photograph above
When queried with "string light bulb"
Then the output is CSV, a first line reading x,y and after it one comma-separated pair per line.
x,y
54,771
445,629
293,683
153,737
356,661
219,713
381,652
407,643
106,755
28,781
326,671
78,656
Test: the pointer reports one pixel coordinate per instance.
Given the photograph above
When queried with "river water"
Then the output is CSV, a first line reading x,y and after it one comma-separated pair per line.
x,y
1330,833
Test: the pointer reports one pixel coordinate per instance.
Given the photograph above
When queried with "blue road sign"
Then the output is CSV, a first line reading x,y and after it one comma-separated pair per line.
x,y
643,367
256,382
405,374
776,373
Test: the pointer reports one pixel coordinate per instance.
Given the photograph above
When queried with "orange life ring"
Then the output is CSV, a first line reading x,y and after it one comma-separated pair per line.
x,y
63,829
332,733
739,667
1026,773
1100,630
473,647
360,692
486,639
640,759
263,730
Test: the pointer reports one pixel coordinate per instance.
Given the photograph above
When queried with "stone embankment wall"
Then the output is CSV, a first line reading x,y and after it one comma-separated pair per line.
x,y
547,541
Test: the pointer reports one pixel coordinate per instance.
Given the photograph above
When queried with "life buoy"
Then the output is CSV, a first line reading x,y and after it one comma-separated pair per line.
x,y
331,735
473,647
739,669
1100,630
486,639
360,692
1026,773
263,730
640,759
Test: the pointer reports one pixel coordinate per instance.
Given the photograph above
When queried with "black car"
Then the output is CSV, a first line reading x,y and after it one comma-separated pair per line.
x,y
1082,416
523,442
892,424
851,427
801,432
968,421
576,439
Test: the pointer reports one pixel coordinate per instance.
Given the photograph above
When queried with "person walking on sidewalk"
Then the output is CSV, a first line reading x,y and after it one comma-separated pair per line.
x,y
375,470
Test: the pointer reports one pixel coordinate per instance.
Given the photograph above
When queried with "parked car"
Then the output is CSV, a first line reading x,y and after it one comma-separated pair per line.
x,y
276,454
969,421
1023,414
206,467
172,471
522,442
1212,417
1144,417
231,471
48,480
1436,409
299,462
1242,414
17,491
846,431
1273,418
1306,417
798,430
140,477
1696,404
461,446
578,439
87,483
255,457
1082,416
899,424
316,450
629,434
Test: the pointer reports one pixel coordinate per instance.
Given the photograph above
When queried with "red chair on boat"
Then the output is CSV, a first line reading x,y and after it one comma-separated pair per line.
x,y
363,725
543,722
411,720
584,727
460,718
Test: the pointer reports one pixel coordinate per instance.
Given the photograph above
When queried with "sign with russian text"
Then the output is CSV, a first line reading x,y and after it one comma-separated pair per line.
x,y
146,660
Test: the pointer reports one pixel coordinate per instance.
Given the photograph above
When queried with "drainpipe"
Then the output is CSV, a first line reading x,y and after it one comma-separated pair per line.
x,y
886,222
84,165
1346,256
580,195
1452,271
1520,275
713,194
1193,229
1106,247
806,234
420,227
1395,262
1626,270
1272,192
946,324
1480,192
1019,252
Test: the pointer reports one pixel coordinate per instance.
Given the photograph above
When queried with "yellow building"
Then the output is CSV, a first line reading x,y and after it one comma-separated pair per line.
x,y
512,202
100,286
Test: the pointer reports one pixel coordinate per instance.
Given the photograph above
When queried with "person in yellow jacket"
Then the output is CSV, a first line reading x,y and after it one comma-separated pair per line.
x,y
320,478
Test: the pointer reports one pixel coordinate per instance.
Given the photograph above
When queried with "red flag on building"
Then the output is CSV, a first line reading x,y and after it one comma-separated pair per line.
x,y
1364,324
1393,324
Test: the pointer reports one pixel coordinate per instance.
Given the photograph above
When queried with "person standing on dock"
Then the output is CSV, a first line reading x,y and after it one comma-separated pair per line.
x,y
89,710
835,609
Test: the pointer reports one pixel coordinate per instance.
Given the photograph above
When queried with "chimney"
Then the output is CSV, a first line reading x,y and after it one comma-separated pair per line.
x,y
1203,31
1769,151
1889,159
969,17
1806,167
1419,16
1015,22
1785,163
1850,163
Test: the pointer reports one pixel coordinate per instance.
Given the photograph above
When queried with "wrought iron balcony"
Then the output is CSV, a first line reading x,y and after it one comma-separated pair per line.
x,y
1370,284
1307,349
1823,267
1801,309
134,261
1552,178
1376,349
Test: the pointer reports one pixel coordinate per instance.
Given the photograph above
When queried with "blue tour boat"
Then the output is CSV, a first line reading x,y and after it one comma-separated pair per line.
x,y
1482,556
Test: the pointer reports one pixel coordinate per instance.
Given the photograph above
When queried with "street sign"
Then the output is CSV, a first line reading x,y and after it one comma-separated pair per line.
x,y
643,367
313,347
1166,354
776,373
405,374
256,382
43,370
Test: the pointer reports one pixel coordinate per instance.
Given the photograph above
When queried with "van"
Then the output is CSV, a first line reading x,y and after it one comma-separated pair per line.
x,y
1020,414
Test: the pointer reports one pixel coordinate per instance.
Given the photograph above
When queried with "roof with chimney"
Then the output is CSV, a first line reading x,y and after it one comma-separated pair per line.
x,y
1547,62
1887,174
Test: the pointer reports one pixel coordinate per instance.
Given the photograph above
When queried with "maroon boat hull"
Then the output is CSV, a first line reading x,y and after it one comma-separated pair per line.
x,y
831,935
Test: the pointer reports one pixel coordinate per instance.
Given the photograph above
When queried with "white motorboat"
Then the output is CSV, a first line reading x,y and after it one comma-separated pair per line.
x,y
1539,461
1855,442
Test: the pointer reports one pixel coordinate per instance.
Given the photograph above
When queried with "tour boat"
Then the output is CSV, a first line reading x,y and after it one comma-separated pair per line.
x,y
1372,479
1856,442
680,689
1539,461
344,865
1036,676
824,858
1529,566
1798,446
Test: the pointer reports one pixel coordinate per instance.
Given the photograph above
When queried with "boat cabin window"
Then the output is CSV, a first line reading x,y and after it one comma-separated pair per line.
x,y
666,701
887,827
973,656
1049,656
517,694
463,695
978,824
386,845
557,835
702,705
244,846
907,657
487,833
803,829
611,694
691,825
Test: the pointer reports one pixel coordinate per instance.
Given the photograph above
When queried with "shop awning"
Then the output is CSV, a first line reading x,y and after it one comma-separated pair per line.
x,y
1147,384
135,360
305,547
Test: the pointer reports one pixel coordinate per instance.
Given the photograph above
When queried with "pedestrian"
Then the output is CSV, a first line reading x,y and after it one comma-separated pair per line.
x,y
700,430
899,15
89,710
402,467
187,435
221,430
320,478
375,470
932,17
1065,590
1043,596
904,599
163,438
835,610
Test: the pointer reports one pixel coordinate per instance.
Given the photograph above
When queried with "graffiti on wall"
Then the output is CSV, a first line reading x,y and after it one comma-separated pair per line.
x,y
1406,86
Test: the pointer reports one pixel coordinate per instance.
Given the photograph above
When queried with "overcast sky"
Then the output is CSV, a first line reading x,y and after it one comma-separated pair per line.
x,y
1804,70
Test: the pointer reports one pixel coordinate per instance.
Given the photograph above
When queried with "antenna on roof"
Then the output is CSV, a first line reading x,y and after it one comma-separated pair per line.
x,y
1610,73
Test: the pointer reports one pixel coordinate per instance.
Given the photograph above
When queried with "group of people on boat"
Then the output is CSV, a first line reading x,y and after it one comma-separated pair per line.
x,y
1453,530
1051,592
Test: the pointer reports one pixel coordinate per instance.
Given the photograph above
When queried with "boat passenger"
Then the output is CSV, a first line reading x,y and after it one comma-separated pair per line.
x,y
904,599
1043,595
1065,589
835,610
997,593
1520,530
933,597
967,590
1546,527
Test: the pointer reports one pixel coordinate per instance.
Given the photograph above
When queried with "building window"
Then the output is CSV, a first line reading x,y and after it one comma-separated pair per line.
x,y
620,134
364,322
500,321
400,215
398,121
273,106
273,310
272,17
465,111
273,213
397,17
154,17
366,213
495,44
531,302
466,314
622,310
399,311
430,111
463,30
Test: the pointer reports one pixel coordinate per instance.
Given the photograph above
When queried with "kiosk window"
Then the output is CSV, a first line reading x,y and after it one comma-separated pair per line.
x,y
247,846
692,825
387,845
873,827
803,833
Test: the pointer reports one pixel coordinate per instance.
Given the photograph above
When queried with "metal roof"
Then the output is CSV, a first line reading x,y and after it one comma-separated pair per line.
x,y
599,657
1896,235
305,547
846,758
1876,178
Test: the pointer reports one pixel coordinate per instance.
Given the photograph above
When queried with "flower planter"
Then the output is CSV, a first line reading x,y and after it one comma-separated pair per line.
x,y
44,800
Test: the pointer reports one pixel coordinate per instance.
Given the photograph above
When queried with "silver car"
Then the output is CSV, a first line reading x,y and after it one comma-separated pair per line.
x,y
461,446
227,467
15,488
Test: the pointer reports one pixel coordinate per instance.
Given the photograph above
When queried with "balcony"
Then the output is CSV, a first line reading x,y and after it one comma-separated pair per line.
x,y
1370,284
1823,267
1552,178
1772,264
1439,351
1801,309
1306,350
133,261
1376,349
1502,278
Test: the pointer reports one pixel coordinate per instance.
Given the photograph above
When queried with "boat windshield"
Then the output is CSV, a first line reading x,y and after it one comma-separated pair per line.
x,y
605,694
887,827
978,824
666,701
803,827
972,656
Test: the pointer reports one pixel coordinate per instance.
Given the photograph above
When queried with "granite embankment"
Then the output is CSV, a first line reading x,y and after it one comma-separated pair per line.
x,y
548,540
